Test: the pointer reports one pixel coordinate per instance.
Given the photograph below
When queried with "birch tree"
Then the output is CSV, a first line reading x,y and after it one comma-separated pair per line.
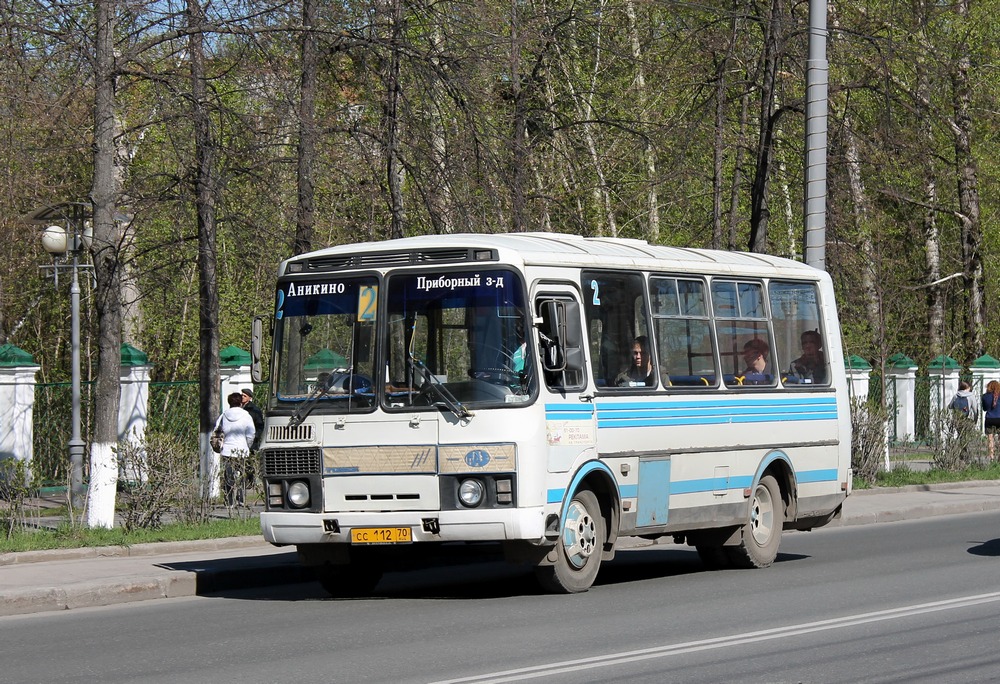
x,y
107,271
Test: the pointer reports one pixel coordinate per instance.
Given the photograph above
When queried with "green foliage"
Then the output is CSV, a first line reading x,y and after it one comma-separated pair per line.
x,y
159,478
868,440
15,488
960,442
903,476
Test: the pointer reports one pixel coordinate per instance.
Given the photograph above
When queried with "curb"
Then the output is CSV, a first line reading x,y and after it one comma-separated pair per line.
x,y
156,584
934,487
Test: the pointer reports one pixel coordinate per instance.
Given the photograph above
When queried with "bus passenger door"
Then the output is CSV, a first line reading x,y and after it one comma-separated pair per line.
x,y
570,419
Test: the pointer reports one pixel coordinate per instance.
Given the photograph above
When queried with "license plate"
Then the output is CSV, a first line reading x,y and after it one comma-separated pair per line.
x,y
381,535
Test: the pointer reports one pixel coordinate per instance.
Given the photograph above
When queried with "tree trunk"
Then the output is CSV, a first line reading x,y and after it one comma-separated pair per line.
x,y
718,151
107,270
932,237
760,212
208,287
968,198
734,190
305,212
439,201
391,74
652,197
519,148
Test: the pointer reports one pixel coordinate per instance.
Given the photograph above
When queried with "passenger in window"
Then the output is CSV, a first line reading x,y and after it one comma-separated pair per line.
x,y
755,356
640,372
811,366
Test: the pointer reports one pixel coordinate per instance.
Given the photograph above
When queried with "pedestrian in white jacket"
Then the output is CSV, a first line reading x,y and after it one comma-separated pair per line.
x,y
239,430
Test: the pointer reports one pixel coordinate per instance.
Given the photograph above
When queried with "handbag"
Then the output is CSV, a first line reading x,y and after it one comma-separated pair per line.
x,y
216,440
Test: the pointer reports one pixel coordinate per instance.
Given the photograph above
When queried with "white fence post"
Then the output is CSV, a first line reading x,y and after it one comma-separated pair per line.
x,y
133,408
901,390
859,373
17,404
943,374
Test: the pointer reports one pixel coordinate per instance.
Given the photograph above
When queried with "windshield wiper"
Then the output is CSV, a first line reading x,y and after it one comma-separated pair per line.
x,y
321,389
446,397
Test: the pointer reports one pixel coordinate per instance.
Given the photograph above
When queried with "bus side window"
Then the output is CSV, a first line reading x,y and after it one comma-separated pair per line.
x,y
615,307
798,336
744,336
683,333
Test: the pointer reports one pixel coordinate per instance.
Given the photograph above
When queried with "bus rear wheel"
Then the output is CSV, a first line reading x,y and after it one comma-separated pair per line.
x,y
761,534
579,550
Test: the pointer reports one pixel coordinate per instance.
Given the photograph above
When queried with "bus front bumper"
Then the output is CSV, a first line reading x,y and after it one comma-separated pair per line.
x,y
286,527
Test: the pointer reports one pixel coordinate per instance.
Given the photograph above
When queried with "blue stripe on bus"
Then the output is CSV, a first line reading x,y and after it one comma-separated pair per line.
x,y
714,412
697,412
701,403
708,420
708,484
829,475
628,491
568,412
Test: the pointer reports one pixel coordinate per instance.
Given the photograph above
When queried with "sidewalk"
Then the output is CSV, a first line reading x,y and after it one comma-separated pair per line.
x,y
39,581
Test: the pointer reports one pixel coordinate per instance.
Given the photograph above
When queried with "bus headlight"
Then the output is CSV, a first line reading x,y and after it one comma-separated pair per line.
x,y
470,493
298,494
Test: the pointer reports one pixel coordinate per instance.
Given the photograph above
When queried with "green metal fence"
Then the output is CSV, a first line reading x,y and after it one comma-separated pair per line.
x,y
173,409
53,427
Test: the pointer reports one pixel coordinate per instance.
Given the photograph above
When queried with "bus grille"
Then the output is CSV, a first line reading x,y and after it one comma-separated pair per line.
x,y
307,461
285,433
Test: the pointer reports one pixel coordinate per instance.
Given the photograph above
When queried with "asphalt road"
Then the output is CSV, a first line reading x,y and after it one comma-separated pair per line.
x,y
908,601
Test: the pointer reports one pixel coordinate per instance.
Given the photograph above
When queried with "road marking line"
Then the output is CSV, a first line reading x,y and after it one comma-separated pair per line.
x,y
623,657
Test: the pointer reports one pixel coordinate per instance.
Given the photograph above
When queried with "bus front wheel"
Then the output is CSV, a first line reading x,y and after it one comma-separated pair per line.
x,y
579,550
761,534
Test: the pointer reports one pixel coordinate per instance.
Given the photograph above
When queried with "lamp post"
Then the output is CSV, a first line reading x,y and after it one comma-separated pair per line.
x,y
66,247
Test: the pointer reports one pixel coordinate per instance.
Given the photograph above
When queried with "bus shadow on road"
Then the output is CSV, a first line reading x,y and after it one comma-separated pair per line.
x,y
644,564
490,579
987,548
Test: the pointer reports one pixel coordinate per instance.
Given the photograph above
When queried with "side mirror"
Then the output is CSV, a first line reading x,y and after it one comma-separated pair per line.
x,y
573,337
256,341
561,337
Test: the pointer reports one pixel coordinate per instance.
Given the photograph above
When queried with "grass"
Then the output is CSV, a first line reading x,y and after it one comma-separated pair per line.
x,y
68,536
901,475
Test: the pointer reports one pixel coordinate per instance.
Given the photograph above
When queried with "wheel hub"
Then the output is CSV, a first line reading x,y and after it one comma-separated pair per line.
x,y
579,535
762,516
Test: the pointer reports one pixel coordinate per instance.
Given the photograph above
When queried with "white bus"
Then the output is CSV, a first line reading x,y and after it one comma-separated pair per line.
x,y
544,395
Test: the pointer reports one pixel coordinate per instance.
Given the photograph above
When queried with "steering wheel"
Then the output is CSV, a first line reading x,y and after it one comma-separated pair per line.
x,y
497,376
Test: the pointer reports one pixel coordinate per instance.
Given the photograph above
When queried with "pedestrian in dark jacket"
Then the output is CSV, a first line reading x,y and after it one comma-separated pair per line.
x,y
991,407
256,414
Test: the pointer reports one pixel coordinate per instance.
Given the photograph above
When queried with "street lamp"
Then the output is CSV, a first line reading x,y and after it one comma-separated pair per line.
x,y
67,245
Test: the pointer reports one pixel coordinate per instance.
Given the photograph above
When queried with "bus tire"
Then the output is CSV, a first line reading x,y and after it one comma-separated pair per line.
x,y
349,581
760,536
579,550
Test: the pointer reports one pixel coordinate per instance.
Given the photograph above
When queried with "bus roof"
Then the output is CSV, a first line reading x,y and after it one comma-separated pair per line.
x,y
544,249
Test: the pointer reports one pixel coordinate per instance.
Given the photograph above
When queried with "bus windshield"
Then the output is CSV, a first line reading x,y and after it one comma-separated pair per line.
x,y
324,337
457,340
